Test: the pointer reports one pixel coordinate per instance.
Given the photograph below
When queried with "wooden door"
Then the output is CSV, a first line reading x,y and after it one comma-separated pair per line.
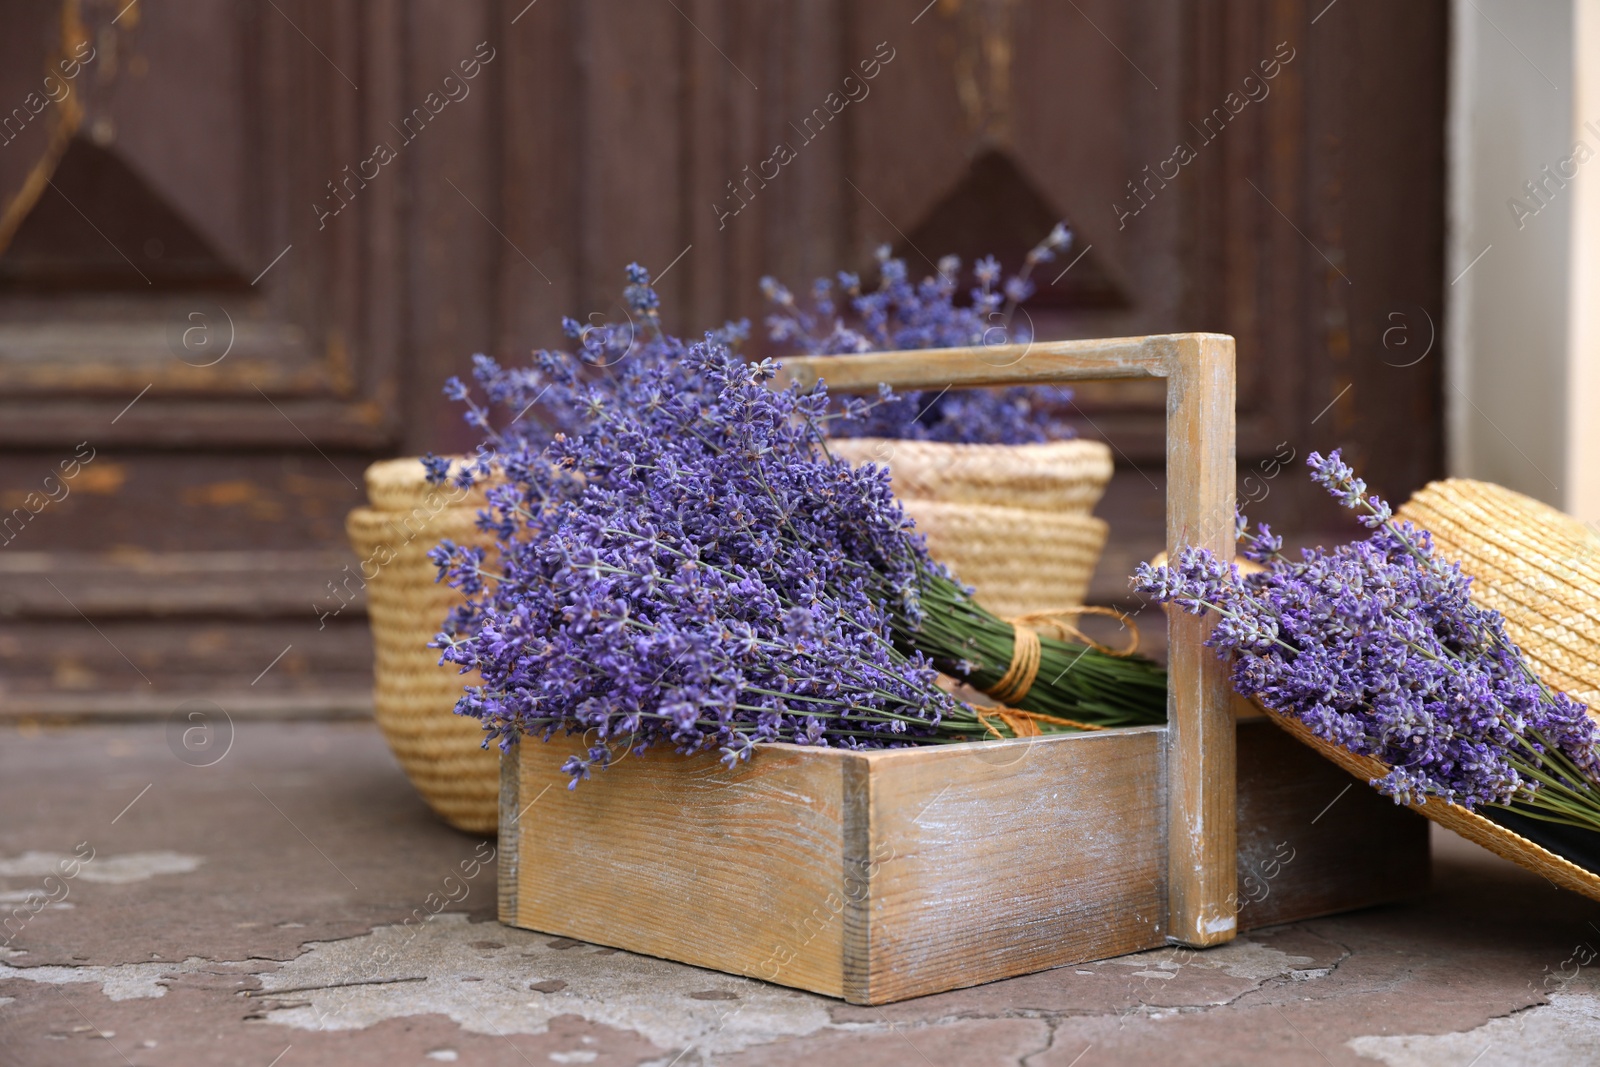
x,y
242,244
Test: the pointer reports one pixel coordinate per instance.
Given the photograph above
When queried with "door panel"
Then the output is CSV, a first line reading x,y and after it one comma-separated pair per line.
x,y
245,243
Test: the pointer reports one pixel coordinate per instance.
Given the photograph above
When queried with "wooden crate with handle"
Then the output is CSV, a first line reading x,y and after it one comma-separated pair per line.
x,y
880,875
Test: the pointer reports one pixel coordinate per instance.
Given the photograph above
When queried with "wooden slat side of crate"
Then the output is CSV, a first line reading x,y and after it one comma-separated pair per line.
x,y
886,875
870,876
738,870
1008,857
1313,843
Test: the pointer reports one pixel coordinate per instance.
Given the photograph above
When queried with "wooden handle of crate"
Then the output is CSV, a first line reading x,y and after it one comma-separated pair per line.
x,y
1199,369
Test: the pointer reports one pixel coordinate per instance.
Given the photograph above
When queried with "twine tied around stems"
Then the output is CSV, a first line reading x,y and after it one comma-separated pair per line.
x,y
1019,677
1024,723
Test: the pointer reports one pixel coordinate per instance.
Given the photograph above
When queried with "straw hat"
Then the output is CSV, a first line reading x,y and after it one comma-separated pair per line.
x,y
1538,567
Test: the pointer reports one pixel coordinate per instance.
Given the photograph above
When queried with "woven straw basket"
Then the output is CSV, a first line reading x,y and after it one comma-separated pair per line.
x,y
413,696
1541,570
1012,521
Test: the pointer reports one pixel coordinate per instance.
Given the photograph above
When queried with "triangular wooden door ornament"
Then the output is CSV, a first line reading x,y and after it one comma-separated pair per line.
x,y
994,209
97,224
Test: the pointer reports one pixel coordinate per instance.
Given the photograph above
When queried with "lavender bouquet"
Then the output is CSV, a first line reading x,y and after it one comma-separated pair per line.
x,y
900,314
690,567
1377,648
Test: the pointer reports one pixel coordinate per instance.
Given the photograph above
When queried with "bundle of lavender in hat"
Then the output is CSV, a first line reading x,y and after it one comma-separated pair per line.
x,y
1376,647
685,565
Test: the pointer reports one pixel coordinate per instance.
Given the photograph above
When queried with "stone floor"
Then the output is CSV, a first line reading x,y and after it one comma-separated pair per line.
x,y
249,912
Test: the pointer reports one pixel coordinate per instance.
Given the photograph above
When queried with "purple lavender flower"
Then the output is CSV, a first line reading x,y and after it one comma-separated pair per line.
x,y
1339,479
683,563
1378,648
1260,546
437,468
691,570
901,314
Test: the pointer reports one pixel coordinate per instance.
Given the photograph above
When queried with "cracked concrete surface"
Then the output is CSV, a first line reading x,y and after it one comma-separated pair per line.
x,y
1541,1034
133,867
491,972
120,981
256,912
